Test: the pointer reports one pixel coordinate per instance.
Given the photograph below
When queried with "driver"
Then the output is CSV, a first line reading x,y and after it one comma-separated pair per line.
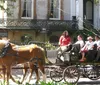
x,y
64,42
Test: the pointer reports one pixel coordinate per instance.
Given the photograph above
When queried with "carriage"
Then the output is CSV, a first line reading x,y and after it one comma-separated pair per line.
x,y
69,69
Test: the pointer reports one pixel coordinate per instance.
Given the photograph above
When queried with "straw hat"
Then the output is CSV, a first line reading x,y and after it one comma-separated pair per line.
x,y
88,38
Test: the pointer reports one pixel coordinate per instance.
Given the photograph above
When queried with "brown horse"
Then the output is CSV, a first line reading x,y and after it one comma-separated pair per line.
x,y
22,54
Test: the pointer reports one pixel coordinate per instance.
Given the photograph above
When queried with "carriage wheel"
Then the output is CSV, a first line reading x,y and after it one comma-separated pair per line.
x,y
71,75
93,73
56,75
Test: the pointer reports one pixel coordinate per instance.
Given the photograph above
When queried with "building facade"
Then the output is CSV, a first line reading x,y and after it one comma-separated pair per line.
x,y
32,17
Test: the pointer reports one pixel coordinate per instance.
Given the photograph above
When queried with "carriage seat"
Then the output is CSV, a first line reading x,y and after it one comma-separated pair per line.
x,y
75,52
71,55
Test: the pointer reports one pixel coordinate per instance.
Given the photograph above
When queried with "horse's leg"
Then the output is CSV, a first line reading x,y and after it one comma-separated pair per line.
x,y
24,72
12,78
8,69
9,75
4,73
37,74
32,69
41,66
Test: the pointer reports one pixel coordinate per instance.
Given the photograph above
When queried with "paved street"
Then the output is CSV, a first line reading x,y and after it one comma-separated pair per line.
x,y
18,75
82,81
85,81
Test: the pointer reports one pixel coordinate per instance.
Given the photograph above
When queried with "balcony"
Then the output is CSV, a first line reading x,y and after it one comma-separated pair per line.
x,y
53,25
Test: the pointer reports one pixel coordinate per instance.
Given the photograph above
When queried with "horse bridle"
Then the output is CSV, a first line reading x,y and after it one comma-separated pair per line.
x,y
3,51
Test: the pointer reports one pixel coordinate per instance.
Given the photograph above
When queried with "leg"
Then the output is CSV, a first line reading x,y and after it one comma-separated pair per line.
x,y
37,74
32,69
24,72
8,74
12,79
4,73
83,57
41,67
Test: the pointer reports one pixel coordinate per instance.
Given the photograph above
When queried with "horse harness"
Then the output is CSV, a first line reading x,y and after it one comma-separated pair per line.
x,y
4,50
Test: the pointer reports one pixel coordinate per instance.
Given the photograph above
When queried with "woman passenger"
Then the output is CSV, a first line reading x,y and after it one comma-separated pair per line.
x,y
65,42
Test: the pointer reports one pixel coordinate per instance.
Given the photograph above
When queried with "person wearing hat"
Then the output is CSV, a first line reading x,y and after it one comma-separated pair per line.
x,y
88,46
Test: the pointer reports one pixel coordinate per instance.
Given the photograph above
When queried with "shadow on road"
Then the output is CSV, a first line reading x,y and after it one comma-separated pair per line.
x,y
89,83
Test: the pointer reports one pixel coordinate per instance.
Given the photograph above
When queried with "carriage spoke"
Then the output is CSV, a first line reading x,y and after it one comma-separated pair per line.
x,y
93,74
71,74
56,75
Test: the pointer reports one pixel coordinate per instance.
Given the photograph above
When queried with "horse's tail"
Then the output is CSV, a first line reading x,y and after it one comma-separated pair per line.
x,y
46,61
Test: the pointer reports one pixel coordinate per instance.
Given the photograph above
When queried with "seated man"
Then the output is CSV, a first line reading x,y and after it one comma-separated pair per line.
x,y
97,43
80,41
76,47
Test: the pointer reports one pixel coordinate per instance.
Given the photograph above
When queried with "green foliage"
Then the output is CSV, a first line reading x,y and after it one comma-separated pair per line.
x,y
49,46
2,82
54,83
26,38
96,1
43,83
9,6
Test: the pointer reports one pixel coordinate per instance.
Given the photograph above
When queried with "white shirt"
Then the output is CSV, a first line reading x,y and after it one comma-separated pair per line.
x,y
81,42
88,46
97,42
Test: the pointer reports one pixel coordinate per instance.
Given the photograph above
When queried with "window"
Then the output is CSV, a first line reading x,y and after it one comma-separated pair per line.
x,y
55,9
27,9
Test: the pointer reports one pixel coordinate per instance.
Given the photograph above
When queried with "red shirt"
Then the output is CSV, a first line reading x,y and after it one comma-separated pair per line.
x,y
64,40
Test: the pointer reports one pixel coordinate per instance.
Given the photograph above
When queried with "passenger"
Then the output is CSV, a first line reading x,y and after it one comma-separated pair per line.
x,y
64,42
80,41
97,42
88,46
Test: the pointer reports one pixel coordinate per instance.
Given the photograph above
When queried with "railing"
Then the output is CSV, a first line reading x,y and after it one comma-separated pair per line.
x,y
38,24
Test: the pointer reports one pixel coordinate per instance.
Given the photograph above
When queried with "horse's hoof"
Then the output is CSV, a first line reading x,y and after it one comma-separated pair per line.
x,y
18,82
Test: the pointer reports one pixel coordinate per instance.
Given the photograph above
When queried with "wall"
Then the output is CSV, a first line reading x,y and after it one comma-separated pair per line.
x,y
97,16
41,9
67,9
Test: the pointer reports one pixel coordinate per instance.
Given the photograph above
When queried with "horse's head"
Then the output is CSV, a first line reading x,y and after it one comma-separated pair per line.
x,y
3,43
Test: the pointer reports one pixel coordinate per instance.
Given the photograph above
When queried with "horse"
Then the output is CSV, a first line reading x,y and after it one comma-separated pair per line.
x,y
21,54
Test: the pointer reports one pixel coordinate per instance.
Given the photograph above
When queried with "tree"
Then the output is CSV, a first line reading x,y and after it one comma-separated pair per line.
x,y
96,1
8,7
